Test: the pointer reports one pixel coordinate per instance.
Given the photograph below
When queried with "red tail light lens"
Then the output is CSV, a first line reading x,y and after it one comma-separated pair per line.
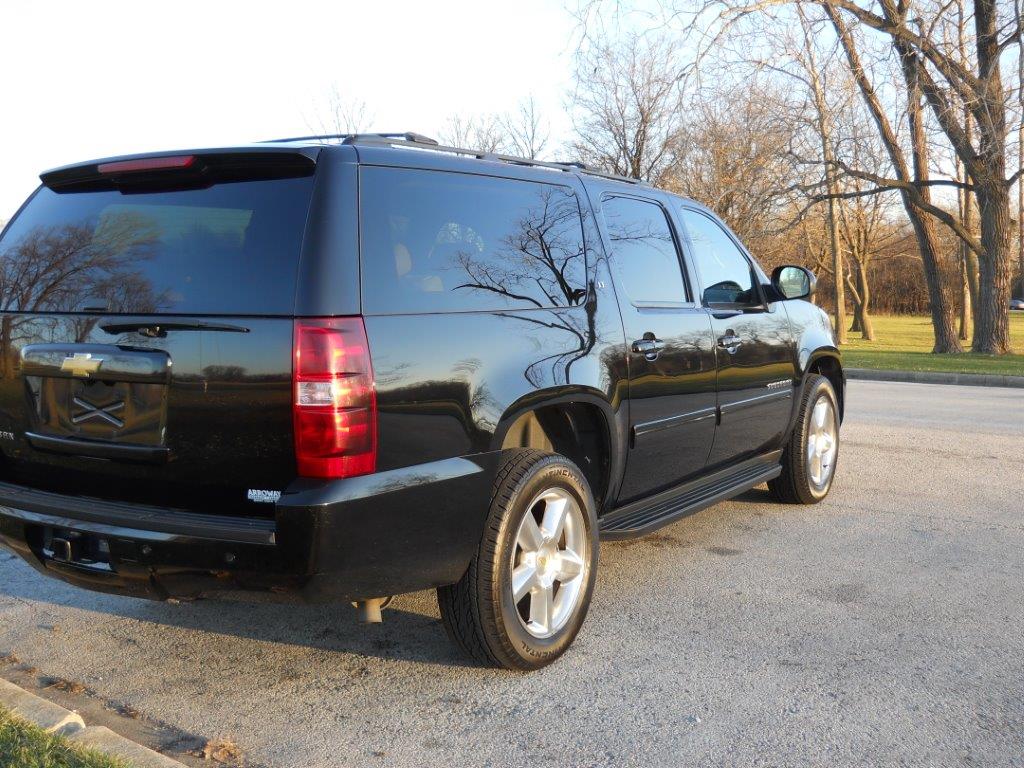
x,y
335,406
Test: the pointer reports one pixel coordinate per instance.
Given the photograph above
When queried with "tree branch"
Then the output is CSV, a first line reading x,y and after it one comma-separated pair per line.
x,y
914,193
951,69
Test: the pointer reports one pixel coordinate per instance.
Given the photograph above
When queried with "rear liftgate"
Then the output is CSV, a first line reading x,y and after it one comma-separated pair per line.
x,y
95,401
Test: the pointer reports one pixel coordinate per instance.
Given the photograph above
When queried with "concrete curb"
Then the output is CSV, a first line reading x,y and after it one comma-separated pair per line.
x,y
936,377
47,715
102,739
62,722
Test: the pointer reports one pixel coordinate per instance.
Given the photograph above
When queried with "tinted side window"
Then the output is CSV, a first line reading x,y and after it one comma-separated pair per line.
x,y
725,273
447,242
643,252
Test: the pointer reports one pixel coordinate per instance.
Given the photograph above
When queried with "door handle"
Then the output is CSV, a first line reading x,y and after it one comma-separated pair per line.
x,y
730,342
648,347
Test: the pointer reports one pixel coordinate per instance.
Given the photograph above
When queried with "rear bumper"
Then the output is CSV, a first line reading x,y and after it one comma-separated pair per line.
x,y
381,534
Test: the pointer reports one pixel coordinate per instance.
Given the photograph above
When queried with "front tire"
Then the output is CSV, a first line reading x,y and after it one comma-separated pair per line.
x,y
526,592
809,459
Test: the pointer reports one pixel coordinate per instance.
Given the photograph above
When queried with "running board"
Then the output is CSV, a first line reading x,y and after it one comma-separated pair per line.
x,y
647,515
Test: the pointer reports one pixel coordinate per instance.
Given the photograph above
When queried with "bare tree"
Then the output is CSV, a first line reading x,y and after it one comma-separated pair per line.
x,y
912,178
864,220
934,75
628,104
965,198
824,121
525,131
339,114
484,133
862,225
732,154
1018,13
932,80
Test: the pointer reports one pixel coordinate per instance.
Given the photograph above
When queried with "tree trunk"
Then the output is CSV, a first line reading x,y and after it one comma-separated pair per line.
x,y
855,298
965,295
992,330
942,313
824,125
943,323
837,254
946,337
964,203
1020,150
867,328
860,293
972,279
995,263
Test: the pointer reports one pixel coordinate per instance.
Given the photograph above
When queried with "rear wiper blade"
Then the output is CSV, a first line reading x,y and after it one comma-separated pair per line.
x,y
158,329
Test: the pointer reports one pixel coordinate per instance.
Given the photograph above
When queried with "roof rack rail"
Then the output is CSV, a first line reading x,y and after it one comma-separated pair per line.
x,y
418,138
419,141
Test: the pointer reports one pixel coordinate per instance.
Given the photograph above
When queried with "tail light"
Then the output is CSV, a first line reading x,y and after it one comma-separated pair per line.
x,y
147,164
335,407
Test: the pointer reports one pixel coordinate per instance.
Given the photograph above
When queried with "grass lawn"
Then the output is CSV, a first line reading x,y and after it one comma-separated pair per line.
x,y
904,343
23,745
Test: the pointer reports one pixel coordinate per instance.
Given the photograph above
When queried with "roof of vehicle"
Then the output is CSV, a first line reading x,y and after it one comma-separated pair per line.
x,y
405,148
421,143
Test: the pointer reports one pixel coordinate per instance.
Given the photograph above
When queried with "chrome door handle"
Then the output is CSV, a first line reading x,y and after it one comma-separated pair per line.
x,y
730,342
649,348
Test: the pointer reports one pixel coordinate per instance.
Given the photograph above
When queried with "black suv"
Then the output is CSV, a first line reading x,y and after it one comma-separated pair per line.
x,y
344,368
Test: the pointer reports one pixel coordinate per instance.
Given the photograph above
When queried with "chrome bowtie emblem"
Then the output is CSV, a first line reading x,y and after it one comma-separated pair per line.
x,y
81,364
104,412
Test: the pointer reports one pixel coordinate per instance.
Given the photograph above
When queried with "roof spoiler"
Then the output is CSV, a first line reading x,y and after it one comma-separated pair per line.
x,y
178,170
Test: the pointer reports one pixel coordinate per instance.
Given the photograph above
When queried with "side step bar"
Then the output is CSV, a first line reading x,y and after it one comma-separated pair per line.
x,y
648,515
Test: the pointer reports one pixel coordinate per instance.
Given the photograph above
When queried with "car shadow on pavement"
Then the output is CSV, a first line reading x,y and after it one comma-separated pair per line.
x,y
411,630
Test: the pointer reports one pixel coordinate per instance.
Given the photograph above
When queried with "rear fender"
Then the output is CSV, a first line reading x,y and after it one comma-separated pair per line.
x,y
615,425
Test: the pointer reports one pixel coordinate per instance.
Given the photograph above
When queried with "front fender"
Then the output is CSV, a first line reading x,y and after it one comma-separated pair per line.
x,y
816,348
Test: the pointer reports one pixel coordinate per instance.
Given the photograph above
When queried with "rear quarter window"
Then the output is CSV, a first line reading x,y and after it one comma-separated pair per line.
x,y
433,241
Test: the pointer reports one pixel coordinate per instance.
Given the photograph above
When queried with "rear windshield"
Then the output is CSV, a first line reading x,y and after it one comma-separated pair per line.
x,y
232,248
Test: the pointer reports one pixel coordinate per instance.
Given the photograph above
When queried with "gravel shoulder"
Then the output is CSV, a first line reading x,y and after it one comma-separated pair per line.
x,y
884,626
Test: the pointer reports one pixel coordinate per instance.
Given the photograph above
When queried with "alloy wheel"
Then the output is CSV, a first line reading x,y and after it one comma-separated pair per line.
x,y
550,562
822,443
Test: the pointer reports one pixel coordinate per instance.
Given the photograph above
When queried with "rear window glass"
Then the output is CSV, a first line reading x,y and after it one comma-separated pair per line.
x,y
434,241
232,248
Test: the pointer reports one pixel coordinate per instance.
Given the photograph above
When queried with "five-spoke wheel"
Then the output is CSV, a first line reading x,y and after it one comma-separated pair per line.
x,y
527,590
822,442
549,563
810,457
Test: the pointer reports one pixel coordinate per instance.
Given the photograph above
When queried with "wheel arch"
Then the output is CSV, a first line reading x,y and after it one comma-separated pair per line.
x,y
828,363
579,424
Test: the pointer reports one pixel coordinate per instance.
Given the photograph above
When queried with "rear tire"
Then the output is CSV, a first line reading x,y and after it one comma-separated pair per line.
x,y
526,592
810,457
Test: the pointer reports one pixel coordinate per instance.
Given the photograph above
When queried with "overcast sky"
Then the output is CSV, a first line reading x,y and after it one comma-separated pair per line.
x,y
84,80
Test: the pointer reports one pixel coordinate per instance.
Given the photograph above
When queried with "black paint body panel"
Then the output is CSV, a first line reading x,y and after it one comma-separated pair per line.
x,y
449,388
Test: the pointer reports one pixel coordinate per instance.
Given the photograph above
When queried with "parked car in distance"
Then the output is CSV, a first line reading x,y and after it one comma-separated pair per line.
x,y
1017,304
345,368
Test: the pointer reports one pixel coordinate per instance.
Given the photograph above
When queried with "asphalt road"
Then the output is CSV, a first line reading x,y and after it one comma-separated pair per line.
x,y
882,627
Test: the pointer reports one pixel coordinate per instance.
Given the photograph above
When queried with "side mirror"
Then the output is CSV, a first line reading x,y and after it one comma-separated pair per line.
x,y
794,282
